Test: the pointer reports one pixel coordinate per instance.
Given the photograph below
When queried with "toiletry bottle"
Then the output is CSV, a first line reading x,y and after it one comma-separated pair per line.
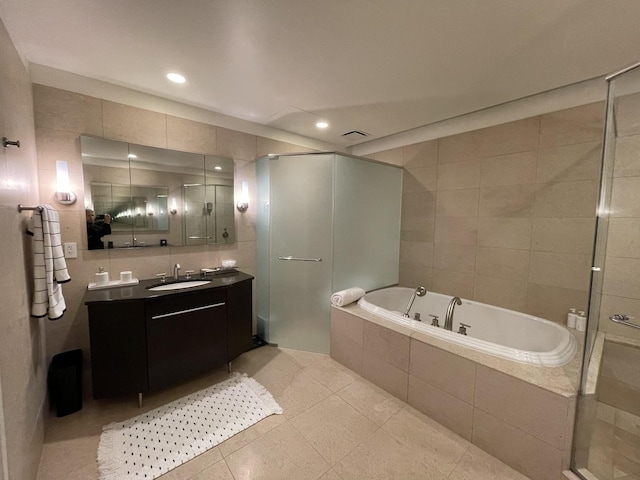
x,y
581,322
571,318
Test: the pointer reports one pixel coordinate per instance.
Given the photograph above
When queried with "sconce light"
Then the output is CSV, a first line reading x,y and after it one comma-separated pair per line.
x,y
243,202
63,194
174,206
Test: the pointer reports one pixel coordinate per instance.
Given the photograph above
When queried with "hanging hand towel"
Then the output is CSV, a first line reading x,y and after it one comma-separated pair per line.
x,y
345,297
49,266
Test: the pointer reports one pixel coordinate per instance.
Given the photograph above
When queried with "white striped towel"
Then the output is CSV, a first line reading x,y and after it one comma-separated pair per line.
x,y
49,266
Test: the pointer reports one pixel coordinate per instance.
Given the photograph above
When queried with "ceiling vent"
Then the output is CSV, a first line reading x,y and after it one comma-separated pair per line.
x,y
355,134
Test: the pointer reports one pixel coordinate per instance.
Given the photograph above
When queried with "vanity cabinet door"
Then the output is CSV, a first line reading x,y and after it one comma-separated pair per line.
x,y
240,318
186,336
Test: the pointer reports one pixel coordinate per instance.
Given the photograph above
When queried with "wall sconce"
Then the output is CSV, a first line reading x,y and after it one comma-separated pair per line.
x,y
63,194
243,202
174,206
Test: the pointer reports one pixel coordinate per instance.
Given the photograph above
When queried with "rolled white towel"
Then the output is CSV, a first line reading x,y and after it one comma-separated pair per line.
x,y
345,297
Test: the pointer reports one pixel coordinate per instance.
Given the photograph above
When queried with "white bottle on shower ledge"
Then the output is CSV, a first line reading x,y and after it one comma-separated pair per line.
x,y
581,322
571,318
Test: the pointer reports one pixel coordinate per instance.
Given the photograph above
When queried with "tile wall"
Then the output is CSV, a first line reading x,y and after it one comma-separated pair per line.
x,y
60,118
22,357
504,215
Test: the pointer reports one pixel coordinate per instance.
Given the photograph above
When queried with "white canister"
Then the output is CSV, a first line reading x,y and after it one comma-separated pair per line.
x,y
571,318
102,278
581,322
126,276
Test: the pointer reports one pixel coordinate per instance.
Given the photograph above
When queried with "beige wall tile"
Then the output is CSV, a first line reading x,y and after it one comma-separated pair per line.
x,y
625,197
422,204
388,377
134,125
505,232
621,277
529,408
627,122
525,453
411,275
419,254
570,163
347,333
619,394
393,156
479,465
189,136
459,175
567,199
613,304
553,303
514,169
63,110
445,409
417,229
53,145
627,160
419,179
421,154
573,125
560,270
236,145
457,203
456,230
265,146
387,345
512,201
623,239
452,283
456,258
502,263
457,379
501,292
569,235
513,137
619,362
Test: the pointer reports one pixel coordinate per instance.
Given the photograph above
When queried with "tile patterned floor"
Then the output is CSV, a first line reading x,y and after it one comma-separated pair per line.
x,y
335,426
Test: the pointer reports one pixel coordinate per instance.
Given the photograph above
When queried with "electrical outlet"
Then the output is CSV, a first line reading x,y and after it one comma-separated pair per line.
x,y
70,250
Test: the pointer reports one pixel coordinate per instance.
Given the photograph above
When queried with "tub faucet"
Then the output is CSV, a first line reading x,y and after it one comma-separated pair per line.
x,y
448,319
176,271
421,292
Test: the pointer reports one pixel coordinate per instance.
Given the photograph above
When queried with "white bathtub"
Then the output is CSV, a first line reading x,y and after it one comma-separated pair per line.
x,y
493,330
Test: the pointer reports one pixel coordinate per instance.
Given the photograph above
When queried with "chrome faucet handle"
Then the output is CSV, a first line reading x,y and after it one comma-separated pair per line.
x,y
162,276
462,330
188,273
434,320
416,316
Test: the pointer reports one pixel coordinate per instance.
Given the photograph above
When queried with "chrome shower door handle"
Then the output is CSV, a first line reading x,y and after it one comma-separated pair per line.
x,y
623,319
298,259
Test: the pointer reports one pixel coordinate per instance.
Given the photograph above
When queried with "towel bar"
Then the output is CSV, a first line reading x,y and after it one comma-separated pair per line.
x,y
22,208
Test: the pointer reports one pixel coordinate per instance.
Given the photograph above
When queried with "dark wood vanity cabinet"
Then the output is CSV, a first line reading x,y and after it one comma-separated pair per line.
x,y
146,344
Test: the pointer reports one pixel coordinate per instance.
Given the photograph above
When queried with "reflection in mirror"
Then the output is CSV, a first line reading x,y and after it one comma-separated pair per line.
x,y
157,196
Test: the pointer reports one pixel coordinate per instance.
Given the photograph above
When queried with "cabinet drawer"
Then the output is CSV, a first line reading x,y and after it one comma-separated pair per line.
x,y
173,304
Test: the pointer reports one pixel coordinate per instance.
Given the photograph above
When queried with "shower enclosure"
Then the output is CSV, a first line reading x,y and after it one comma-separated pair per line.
x,y
325,222
607,430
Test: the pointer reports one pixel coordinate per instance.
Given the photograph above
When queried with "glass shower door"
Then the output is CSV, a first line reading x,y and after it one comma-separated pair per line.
x,y
301,230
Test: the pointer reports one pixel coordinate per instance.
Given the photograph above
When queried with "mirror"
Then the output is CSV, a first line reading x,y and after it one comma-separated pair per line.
x,y
152,196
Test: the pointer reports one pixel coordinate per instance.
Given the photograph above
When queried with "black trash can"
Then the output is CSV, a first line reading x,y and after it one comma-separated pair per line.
x,y
65,382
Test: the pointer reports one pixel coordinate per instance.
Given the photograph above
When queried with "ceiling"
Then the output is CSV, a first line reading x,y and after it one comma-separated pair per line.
x,y
378,66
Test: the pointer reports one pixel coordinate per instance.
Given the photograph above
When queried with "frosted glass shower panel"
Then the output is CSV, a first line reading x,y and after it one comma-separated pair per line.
x,y
301,206
366,237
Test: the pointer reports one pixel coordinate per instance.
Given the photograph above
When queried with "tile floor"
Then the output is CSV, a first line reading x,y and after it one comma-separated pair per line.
x,y
335,425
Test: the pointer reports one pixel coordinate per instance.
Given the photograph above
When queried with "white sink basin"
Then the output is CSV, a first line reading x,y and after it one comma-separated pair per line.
x,y
178,285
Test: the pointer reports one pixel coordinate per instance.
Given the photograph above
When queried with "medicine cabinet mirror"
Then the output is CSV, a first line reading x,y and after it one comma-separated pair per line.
x,y
158,197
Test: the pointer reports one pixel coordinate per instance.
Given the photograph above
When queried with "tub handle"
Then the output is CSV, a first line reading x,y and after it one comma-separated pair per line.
x,y
462,330
434,320
298,259
623,319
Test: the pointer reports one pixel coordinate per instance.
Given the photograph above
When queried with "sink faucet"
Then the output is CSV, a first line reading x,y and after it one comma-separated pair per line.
x,y
448,319
421,292
176,271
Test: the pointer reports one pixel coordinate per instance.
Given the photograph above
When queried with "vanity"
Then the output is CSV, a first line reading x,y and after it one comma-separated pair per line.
x,y
144,340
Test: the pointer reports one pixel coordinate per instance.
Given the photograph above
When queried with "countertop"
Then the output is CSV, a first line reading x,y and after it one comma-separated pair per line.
x,y
140,292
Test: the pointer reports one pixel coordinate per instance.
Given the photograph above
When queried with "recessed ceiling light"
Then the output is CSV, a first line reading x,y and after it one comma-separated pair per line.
x,y
217,167
322,124
176,77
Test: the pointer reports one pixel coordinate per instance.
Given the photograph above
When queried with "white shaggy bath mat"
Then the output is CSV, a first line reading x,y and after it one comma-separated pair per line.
x,y
155,442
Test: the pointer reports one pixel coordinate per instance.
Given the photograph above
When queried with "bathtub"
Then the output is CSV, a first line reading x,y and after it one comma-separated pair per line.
x,y
493,330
